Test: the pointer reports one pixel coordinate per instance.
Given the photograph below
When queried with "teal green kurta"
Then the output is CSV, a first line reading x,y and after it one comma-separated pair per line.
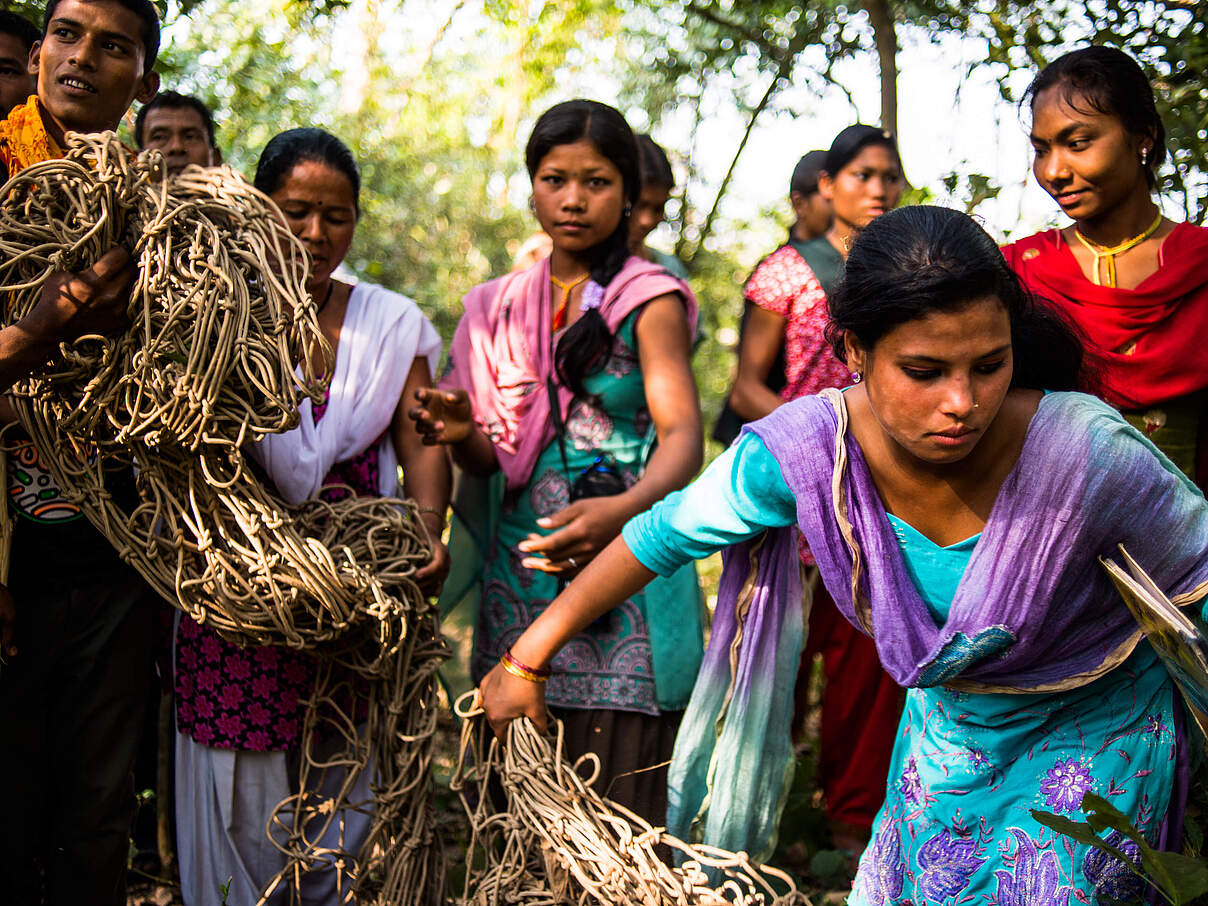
x,y
642,656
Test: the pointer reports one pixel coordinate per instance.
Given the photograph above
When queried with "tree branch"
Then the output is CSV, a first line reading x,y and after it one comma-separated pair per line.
x,y
737,27
784,69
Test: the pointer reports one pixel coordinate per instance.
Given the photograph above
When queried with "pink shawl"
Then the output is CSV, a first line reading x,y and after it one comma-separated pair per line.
x,y
502,353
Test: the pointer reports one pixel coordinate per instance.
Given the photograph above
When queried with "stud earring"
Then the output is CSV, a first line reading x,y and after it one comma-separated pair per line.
x,y
977,405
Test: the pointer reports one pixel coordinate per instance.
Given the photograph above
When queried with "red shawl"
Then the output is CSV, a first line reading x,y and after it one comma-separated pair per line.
x,y
1166,317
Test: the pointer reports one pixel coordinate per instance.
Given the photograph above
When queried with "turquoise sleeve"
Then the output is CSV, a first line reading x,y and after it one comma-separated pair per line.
x,y
739,495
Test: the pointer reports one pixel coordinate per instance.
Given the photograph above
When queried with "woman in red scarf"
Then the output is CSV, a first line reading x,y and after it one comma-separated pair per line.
x,y
1135,282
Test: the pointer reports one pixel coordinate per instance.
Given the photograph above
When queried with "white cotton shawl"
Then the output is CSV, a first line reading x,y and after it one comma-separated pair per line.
x,y
382,335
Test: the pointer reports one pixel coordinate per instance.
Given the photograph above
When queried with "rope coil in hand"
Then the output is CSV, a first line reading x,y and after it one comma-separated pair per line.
x,y
560,842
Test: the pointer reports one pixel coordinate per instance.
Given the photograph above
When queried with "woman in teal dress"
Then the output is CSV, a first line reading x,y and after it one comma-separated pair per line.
x,y
572,379
958,515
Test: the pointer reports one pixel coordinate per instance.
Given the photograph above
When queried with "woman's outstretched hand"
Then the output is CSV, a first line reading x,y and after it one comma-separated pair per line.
x,y
505,697
442,416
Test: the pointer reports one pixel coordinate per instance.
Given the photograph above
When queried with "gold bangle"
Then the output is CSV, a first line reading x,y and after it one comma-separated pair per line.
x,y
516,670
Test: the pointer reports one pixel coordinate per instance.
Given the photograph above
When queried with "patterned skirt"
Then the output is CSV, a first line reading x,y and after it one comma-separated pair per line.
x,y
969,768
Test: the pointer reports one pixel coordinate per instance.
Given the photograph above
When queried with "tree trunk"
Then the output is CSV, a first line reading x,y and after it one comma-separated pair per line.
x,y
886,39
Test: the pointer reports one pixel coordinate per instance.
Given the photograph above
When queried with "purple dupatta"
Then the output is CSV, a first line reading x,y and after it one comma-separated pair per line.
x,y
1034,612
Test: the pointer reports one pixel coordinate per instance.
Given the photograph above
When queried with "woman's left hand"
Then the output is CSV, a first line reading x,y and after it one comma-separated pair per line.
x,y
431,576
505,697
582,530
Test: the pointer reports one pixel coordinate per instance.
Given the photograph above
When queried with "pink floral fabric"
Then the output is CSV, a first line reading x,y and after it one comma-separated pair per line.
x,y
229,697
784,284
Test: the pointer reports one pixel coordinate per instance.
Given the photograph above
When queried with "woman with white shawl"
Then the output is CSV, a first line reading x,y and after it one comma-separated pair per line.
x,y
239,721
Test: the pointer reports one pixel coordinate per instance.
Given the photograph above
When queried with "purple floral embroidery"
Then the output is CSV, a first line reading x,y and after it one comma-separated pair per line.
x,y
1154,725
882,871
1064,785
1112,879
947,862
1034,880
911,785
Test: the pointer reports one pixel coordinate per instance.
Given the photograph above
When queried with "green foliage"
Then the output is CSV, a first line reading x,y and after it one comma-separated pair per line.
x,y
436,100
971,188
1179,878
441,210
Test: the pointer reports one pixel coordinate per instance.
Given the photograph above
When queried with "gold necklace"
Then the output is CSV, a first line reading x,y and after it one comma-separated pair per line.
x,y
560,311
1108,255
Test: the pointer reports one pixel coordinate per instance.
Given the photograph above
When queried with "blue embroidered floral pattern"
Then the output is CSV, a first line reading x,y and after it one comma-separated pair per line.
x,y
882,871
1112,879
969,767
1064,785
947,862
960,652
1034,880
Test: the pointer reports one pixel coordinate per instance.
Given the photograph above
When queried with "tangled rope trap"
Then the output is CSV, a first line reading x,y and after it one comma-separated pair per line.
x,y
220,318
559,842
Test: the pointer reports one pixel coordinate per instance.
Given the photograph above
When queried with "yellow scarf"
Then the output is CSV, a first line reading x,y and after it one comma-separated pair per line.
x,y
24,140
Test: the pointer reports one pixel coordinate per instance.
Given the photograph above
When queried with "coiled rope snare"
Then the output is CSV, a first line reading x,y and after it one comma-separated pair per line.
x,y
560,842
220,318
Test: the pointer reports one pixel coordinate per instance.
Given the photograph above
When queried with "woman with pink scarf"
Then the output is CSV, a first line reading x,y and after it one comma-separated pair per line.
x,y
572,379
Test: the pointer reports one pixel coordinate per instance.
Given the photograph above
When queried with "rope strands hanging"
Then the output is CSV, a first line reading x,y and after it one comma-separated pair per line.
x,y
559,842
219,320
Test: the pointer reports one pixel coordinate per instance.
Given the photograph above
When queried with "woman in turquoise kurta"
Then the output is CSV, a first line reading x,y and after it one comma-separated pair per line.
x,y
967,765
958,516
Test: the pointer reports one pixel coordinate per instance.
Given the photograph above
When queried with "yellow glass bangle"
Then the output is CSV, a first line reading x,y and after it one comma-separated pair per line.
x,y
513,668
